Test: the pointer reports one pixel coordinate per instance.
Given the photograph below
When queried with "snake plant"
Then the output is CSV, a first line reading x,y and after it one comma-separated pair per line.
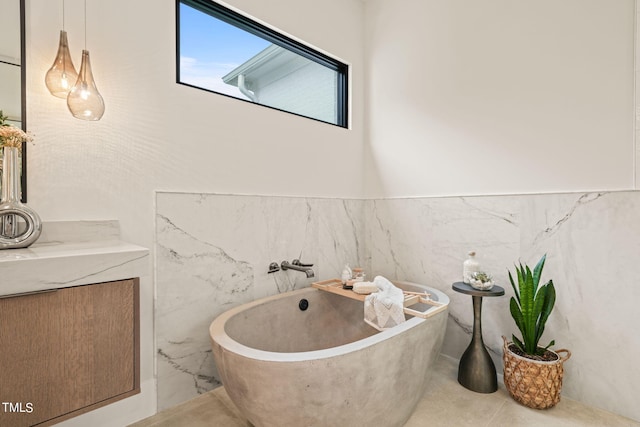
x,y
531,306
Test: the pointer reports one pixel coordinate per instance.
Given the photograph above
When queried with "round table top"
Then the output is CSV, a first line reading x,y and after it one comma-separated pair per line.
x,y
466,288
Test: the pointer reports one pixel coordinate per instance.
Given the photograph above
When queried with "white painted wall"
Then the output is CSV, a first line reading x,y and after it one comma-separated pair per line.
x,y
499,96
156,134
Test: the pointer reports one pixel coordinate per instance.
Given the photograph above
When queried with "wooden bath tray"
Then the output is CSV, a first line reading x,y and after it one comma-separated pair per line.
x,y
410,298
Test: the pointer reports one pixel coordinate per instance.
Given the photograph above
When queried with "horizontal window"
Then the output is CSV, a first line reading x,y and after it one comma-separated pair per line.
x,y
222,51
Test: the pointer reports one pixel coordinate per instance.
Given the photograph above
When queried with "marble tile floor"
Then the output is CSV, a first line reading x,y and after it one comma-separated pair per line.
x,y
445,403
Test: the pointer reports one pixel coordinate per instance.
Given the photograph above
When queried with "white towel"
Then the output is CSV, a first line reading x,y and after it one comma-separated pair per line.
x,y
384,309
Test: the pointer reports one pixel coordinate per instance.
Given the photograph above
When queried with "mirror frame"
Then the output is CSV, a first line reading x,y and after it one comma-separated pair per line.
x,y
23,95
22,50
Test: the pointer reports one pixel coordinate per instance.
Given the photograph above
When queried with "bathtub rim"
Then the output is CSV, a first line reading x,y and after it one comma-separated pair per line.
x,y
218,335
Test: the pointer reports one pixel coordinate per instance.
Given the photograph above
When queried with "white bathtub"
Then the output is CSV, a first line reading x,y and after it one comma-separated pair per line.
x,y
324,366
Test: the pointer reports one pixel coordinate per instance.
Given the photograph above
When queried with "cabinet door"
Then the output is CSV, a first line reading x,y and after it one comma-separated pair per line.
x,y
67,351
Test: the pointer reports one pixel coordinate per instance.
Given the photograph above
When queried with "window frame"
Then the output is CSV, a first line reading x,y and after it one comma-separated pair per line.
x,y
223,13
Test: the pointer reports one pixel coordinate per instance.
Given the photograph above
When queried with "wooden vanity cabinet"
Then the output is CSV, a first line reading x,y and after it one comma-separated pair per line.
x,y
68,351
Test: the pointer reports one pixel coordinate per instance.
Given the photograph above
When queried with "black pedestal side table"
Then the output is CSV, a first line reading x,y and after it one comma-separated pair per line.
x,y
476,370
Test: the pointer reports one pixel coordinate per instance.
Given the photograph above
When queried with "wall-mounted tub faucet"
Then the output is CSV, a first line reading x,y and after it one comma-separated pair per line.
x,y
305,268
273,267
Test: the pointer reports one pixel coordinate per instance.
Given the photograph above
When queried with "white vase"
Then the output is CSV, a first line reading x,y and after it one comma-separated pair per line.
x,y
470,266
13,232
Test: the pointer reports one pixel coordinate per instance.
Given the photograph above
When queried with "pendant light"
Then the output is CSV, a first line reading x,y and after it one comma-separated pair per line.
x,y
84,100
62,74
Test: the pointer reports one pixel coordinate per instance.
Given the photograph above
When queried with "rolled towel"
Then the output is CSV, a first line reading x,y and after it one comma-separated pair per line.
x,y
365,288
384,309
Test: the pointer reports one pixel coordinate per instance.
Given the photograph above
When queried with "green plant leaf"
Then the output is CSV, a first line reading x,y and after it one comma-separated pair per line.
x,y
520,274
538,306
526,305
531,306
516,313
553,342
547,307
515,290
518,343
537,271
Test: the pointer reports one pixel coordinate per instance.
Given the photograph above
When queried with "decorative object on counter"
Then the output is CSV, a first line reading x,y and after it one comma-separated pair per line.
x,y
476,370
481,280
358,274
84,100
13,232
532,374
346,276
470,266
62,74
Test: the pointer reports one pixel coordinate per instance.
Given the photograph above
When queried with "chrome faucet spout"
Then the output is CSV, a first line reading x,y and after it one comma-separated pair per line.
x,y
286,265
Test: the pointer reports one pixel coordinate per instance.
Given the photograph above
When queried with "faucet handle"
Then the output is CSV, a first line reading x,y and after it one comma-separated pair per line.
x,y
300,264
273,267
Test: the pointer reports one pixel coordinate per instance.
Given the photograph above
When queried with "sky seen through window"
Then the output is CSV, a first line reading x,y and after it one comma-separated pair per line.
x,y
210,48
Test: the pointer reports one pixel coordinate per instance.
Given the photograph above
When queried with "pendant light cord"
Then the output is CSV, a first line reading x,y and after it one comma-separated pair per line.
x,y
85,24
64,63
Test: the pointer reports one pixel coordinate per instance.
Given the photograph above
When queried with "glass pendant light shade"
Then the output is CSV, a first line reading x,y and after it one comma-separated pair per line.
x,y
62,74
84,100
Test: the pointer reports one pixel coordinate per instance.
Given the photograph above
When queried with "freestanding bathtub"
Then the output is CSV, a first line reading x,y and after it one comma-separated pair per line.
x,y
324,366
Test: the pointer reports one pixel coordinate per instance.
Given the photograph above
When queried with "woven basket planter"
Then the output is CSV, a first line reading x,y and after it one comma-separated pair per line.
x,y
532,383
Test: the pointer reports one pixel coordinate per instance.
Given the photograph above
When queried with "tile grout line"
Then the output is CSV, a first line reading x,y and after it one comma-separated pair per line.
x,y
493,417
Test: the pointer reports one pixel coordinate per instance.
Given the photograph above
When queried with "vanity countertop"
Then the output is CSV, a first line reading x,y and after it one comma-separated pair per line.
x,y
77,259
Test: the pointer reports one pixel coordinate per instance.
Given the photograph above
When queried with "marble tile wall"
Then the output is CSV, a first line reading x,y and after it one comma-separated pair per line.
x,y
212,253
592,242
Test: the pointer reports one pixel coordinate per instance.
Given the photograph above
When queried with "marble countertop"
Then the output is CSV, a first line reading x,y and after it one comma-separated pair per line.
x,y
65,257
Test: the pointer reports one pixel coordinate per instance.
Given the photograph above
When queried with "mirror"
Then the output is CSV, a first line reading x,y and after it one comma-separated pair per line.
x,y
13,72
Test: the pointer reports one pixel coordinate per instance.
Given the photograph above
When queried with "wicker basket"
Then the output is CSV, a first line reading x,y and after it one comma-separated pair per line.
x,y
533,383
